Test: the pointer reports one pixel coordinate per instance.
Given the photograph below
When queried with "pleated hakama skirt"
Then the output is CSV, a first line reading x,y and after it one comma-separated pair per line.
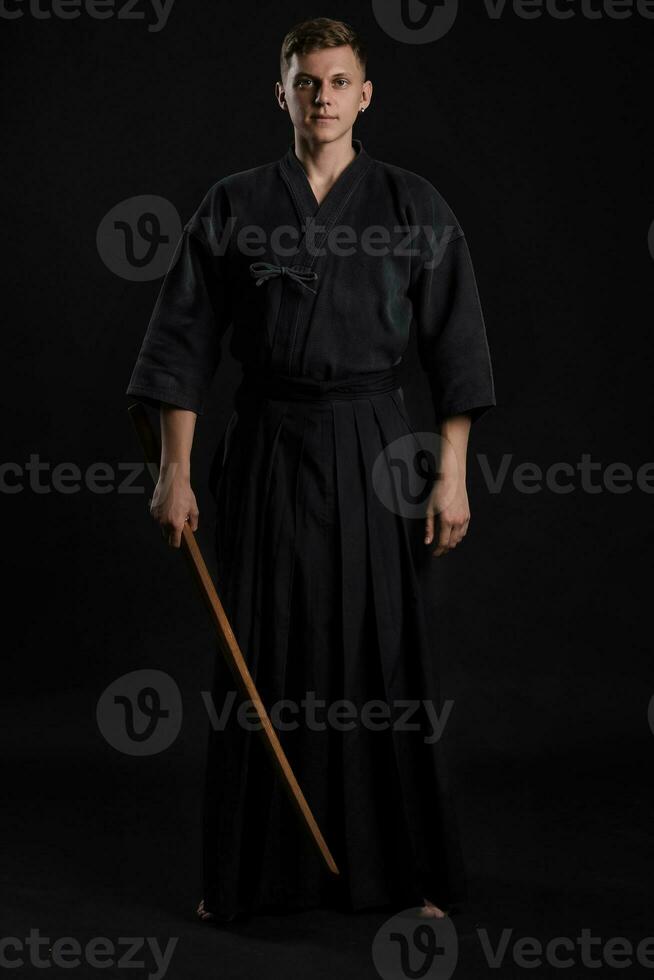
x,y
324,585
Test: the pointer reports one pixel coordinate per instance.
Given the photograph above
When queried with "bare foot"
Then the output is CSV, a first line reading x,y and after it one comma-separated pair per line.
x,y
203,914
431,911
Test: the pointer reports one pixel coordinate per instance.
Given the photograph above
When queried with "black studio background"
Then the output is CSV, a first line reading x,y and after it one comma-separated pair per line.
x,y
537,132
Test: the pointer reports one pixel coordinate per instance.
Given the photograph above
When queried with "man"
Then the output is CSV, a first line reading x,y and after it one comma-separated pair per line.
x,y
322,261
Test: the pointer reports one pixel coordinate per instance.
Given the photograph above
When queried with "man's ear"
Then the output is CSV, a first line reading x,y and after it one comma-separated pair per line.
x,y
279,95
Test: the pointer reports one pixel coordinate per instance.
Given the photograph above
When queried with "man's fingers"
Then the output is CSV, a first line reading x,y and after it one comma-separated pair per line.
x,y
444,534
172,533
172,530
459,533
450,536
175,537
429,529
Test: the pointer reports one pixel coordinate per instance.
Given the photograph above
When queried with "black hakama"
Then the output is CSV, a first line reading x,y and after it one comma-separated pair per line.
x,y
324,583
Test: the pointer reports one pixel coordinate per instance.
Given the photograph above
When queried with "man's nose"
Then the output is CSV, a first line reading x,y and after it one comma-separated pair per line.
x,y
322,95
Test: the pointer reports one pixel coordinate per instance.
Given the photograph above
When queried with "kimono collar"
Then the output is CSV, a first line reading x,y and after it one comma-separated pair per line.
x,y
298,184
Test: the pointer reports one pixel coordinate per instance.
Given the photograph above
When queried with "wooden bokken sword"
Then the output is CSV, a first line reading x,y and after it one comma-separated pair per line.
x,y
230,648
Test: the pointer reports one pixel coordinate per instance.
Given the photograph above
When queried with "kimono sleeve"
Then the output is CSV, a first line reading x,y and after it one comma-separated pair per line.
x,y
182,346
451,333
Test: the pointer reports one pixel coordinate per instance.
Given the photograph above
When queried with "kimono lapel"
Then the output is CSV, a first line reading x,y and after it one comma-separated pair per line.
x,y
297,304
334,202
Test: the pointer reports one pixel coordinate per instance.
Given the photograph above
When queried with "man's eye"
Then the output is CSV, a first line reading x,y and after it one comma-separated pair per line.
x,y
342,82
304,81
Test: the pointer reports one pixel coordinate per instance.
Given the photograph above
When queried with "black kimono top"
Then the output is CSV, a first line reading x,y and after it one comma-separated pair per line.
x,y
323,291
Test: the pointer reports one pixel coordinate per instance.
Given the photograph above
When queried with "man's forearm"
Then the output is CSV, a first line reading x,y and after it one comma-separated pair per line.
x,y
177,431
454,433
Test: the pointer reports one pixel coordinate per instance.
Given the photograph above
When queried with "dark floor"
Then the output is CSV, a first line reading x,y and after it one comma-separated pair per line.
x,y
106,845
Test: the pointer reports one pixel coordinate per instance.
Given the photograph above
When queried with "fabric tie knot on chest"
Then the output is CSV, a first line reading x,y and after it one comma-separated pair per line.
x,y
262,271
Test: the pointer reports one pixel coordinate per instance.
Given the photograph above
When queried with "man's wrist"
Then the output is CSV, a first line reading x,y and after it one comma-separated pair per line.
x,y
176,469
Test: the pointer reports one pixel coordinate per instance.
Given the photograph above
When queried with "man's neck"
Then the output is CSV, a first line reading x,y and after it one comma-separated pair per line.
x,y
324,162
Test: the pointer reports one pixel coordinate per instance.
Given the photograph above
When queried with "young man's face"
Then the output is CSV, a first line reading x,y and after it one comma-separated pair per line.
x,y
323,92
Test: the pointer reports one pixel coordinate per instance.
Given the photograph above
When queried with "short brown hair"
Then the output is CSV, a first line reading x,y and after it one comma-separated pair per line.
x,y
321,32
